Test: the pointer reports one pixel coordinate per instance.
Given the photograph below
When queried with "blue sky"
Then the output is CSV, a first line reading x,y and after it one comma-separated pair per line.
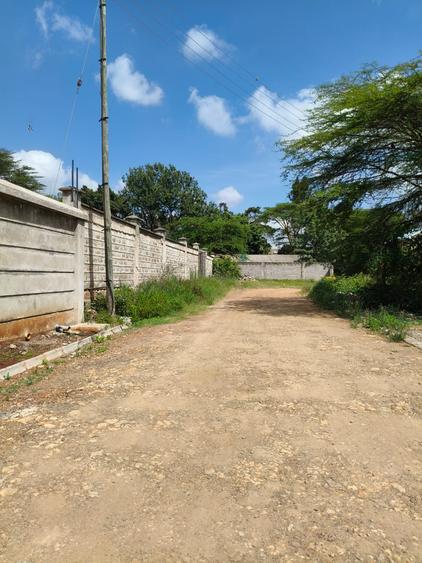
x,y
196,84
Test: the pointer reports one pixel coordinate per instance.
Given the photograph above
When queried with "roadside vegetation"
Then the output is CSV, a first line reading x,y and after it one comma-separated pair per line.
x,y
360,299
304,285
165,299
9,386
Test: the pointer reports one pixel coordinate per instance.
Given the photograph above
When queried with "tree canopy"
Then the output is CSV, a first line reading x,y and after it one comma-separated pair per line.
x,y
364,141
358,204
94,198
18,174
161,194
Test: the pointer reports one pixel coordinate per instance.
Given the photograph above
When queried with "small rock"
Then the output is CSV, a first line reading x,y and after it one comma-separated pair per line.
x,y
398,488
7,492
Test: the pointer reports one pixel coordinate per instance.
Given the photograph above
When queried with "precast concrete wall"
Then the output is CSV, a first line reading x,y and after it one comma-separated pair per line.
x,y
41,262
282,267
138,254
52,254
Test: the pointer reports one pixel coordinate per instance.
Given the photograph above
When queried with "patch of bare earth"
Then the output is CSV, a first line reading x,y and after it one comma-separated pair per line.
x,y
262,429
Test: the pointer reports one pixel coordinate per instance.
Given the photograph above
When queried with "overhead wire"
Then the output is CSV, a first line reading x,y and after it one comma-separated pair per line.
x,y
165,38
75,97
212,65
253,79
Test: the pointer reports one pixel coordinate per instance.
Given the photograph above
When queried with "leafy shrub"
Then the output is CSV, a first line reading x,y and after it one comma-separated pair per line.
x,y
389,323
345,295
226,267
361,299
163,297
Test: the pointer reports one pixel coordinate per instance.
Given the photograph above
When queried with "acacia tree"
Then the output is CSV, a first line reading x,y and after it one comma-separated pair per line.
x,y
364,142
290,218
22,175
362,155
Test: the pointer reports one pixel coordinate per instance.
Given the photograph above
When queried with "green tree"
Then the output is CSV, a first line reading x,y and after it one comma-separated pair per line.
x,y
94,198
364,142
290,218
221,234
258,232
362,155
161,195
18,174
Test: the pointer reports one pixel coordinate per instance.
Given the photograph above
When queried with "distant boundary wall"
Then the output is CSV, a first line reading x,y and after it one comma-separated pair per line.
x,y
281,267
138,254
52,258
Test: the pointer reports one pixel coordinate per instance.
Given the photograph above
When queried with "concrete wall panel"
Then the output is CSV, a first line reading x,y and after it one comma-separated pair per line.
x,y
40,259
278,267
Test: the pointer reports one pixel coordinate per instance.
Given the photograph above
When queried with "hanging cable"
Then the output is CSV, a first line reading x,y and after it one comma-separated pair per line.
x,y
253,79
217,69
79,83
165,39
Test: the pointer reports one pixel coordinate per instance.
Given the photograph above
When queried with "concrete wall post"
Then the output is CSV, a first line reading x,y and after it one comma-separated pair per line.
x,y
136,222
79,270
162,232
202,263
195,246
184,241
71,196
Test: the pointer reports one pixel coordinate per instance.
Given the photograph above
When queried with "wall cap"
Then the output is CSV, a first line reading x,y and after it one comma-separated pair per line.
x,y
17,192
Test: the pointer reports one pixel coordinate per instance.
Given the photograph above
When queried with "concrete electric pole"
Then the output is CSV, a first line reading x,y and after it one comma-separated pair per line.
x,y
105,172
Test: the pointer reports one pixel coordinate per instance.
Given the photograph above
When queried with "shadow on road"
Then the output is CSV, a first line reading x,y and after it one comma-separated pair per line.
x,y
278,306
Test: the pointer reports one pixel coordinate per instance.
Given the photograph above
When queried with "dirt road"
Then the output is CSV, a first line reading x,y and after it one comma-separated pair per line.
x,y
260,430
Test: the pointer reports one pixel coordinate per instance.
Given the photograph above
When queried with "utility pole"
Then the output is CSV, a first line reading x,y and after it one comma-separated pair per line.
x,y
105,173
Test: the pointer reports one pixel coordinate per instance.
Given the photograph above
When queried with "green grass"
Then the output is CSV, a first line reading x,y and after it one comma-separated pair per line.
x,y
299,284
98,346
355,298
38,374
13,355
392,324
166,299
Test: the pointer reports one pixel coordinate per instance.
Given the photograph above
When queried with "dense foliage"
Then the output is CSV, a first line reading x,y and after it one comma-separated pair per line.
x,y
164,297
359,298
358,201
94,198
226,267
160,195
18,174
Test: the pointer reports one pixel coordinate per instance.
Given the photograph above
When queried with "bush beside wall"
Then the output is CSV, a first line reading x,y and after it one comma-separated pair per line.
x,y
361,299
164,297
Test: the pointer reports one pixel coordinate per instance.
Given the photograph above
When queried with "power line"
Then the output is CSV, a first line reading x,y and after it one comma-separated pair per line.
x,y
253,78
75,97
196,53
248,100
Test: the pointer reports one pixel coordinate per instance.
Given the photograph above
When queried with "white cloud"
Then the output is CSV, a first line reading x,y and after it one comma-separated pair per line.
x,y
37,59
213,113
203,43
130,85
120,185
72,27
49,168
42,14
229,195
273,114
49,19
